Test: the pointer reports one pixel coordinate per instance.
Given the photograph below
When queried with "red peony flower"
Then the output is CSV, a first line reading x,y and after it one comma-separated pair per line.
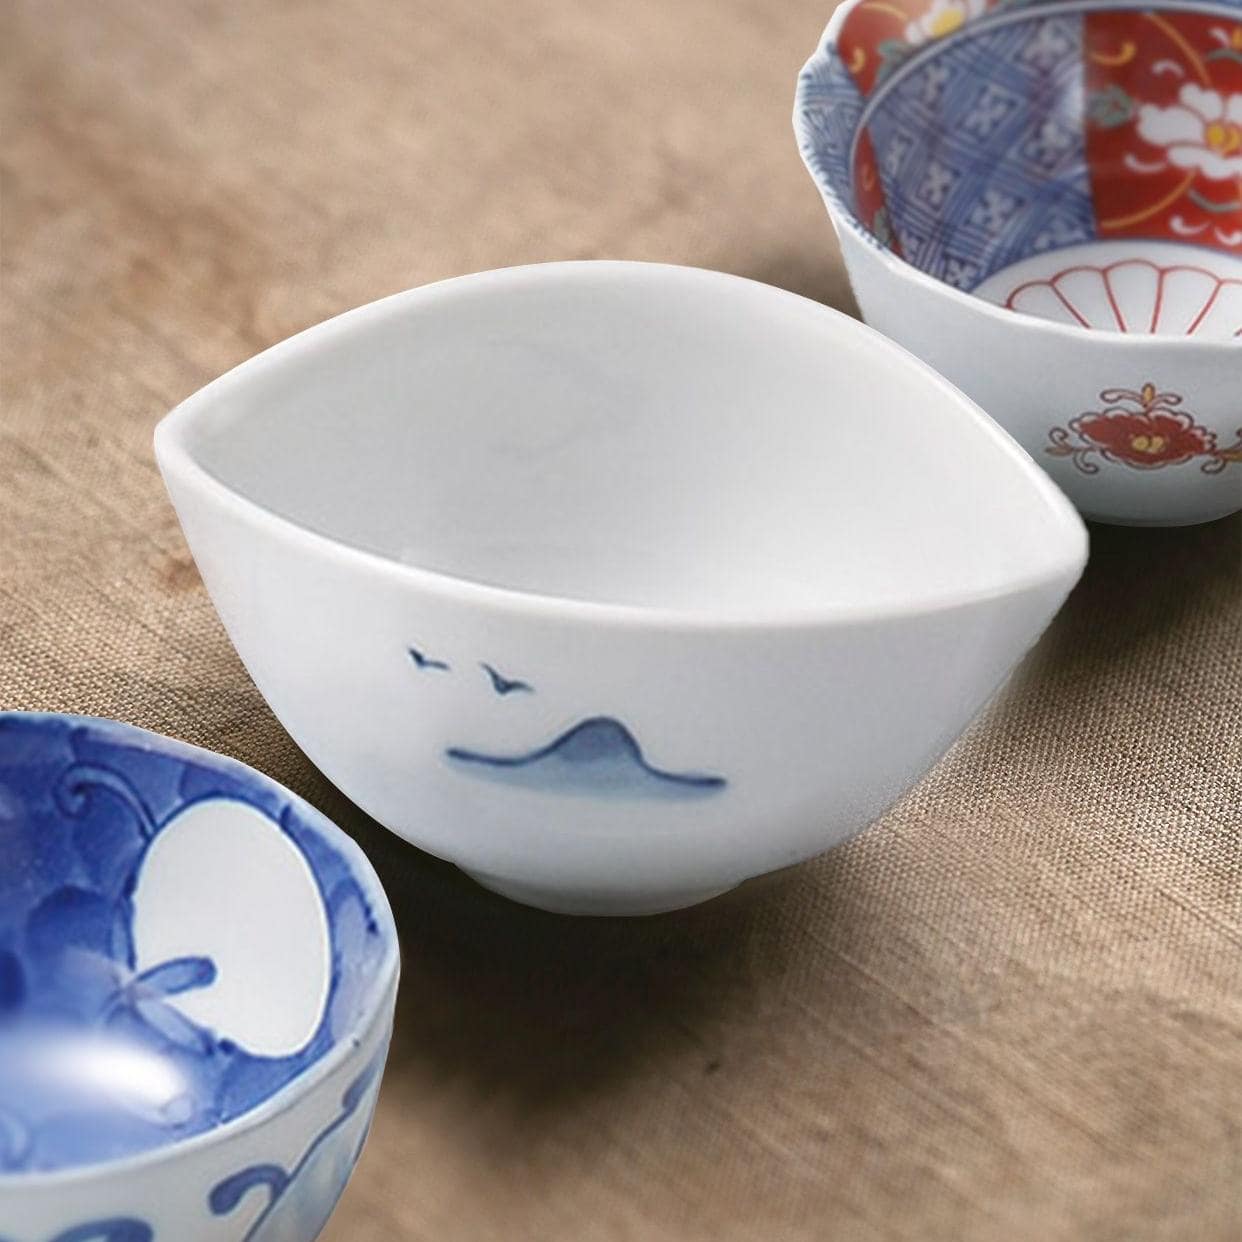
x,y
1149,436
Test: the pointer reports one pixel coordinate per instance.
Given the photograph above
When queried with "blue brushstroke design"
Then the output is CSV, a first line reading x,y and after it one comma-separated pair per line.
x,y
599,756
319,1200
505,685
178,975
226,1195
114,1229
425,662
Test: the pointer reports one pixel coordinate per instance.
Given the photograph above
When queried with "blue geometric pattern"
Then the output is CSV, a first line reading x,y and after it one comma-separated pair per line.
x,y
981,149
830,106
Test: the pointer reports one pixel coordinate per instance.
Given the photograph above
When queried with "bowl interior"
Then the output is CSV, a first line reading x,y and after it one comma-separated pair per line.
x,y
179,941
631,434
1075,160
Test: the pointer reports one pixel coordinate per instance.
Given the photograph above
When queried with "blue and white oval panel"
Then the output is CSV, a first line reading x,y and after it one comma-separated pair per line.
x,y
221,881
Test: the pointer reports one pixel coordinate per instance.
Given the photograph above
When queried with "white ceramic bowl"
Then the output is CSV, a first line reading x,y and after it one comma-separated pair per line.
x,y
615,583
1041,199
197,976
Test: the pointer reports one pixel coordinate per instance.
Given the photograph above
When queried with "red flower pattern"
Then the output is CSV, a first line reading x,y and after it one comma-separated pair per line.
x,y
1142,429
1147,439
1147,70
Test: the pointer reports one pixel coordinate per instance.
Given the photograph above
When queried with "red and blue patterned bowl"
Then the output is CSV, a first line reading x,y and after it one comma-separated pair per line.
x,y
1043,199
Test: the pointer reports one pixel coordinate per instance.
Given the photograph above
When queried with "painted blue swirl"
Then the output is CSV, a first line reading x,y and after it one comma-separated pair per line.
x,y
300,1200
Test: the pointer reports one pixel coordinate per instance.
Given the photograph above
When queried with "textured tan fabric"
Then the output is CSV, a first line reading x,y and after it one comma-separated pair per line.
x,y
1011,1010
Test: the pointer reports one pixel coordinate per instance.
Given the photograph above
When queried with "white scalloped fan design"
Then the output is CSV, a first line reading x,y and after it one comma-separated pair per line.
x,y
1136,295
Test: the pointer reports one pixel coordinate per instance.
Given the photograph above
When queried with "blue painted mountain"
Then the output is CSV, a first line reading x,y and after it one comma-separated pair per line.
x,y
599,756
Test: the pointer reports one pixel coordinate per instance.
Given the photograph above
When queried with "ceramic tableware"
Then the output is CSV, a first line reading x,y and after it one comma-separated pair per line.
x,y
1044,201
197,974
615,583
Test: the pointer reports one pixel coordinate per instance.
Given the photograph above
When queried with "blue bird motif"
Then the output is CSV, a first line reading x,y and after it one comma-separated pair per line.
x,y
424,662
506,685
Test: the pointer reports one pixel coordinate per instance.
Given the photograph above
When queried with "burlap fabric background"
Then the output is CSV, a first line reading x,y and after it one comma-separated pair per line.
x,y
1011,1010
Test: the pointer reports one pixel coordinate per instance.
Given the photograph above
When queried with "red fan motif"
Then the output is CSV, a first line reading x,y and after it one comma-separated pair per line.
x,y
1136,295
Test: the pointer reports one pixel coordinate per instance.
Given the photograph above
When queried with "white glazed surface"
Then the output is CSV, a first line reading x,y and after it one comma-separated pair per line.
x,y
784,554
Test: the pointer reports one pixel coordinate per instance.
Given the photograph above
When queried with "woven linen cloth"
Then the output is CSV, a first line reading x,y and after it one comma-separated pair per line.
x,y
1011,1010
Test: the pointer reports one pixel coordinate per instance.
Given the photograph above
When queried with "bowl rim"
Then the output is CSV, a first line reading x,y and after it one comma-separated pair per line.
x,y
178,463
376,996
842,213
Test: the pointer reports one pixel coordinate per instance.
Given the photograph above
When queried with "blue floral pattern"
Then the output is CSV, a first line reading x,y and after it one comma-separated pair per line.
x,y
80,802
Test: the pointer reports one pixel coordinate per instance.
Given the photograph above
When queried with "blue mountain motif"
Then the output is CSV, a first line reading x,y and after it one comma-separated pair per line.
x,y
599,756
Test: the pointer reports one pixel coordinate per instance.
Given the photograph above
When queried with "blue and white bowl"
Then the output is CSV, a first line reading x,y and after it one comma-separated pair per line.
x,y
197,978
614,584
